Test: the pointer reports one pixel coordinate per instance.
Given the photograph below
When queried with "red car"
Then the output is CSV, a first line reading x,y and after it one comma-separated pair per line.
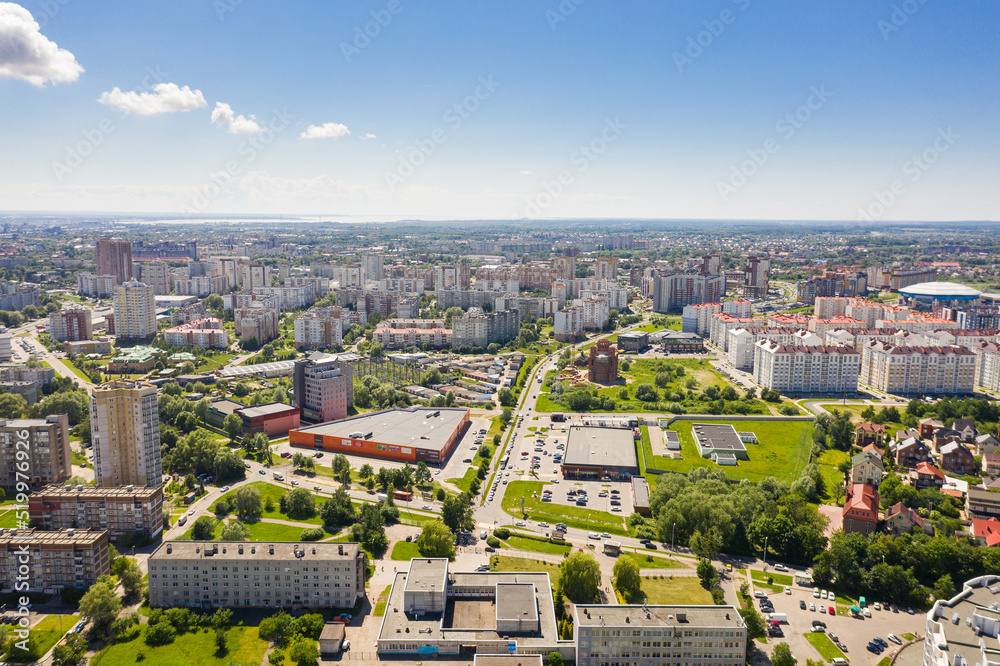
x,y
833,611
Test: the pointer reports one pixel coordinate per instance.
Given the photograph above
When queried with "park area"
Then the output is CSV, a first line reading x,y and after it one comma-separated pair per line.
x,y
676,386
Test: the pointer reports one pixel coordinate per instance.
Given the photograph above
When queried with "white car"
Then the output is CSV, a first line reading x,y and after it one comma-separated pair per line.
x,y
543,524
822,594
595,536
518,523
780,567
427,507
616,509
225,489
191,512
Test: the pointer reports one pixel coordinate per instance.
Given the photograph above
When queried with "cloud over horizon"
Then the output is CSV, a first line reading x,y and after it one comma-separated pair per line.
x,y
223,116
165,98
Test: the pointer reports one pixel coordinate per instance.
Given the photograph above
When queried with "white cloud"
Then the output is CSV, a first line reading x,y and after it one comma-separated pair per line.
x,y
325,131
368,136
27,54
525,172
166,98
223,116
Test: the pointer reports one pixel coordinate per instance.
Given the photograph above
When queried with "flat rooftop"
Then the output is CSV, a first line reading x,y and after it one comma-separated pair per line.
x,y
315,551
640,492
657,616
516,601
507,660
419,427
962,637
600,447
70,492
427,574
718,437
35,537
270,409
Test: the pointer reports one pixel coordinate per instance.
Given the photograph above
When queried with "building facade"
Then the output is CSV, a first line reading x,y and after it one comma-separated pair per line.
x,y
135,311
224,574
122,511
672,292
602,363
479,329
799,369
46,443
71,325
205,333
125,430
72,558
918,370
114,257
324,388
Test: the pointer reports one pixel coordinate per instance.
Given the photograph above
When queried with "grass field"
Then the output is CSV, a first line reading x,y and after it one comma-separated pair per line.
x,y
573,516
245,647
8,518
828,462
824,646
379,610
51,629
274,493
405,551
537,545
782,451
651,561
680,590
779,579
505,563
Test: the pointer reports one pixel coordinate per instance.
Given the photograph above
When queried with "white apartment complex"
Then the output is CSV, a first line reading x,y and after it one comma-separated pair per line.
x,y
568,324
135,311
799,369
402,333
320,328
206,333
202,285
100,286
256,574
987,365
740,347
918,370
157,275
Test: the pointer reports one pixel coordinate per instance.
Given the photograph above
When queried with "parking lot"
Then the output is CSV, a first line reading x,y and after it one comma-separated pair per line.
x,y
853,632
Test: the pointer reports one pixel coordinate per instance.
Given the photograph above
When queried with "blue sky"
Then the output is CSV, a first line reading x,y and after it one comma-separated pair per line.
x,y
674,130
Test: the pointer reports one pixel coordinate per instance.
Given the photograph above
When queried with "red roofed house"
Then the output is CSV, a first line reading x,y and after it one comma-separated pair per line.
x,y
861,511
987,531
866,433
926,475
901,519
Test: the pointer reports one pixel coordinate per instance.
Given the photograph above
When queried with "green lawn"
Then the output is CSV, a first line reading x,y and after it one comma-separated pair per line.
x,y
504,563
52,628
405,551
537,545
779,579
650,561
679,590
824,645
274,532
828,463
198,647
275,493
8,518
782,451
379,610
573,516
696,372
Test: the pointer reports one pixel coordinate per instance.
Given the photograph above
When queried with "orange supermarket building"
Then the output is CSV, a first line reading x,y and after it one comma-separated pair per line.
x,y
409,434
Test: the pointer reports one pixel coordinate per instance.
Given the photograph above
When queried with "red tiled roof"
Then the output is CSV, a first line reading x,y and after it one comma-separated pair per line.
x,y
868,426
862,497
927,468
987,529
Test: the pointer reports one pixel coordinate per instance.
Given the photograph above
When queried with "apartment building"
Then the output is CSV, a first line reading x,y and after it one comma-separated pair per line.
x,y
797,369
293,298
789,321
372,266
964,629
529,306
479,329
114,257
202,285
46,443
671,293
71,325
405,285
505,286
450,277
568,324
697,318
861,509
918,370
659,635
320,328
125,430
596,313
839,323
402,333
157,275
135,311
205,333
72,558
223,574
324,388
565,267
987,365
188,313
96,286
122,511
256,322
867,467
721,323
460,298
741,341
6,351
756,276
606,268
251,275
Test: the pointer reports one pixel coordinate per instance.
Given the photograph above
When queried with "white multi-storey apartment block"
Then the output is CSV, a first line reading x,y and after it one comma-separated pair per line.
x,y
799,369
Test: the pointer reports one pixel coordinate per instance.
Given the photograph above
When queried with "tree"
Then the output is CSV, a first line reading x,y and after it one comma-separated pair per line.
x,y
228,465
370,528
944,588
456,512
706,545
337,510
12,406
781,655
304,653
298,504
366,472
202,529
234,531
707,573
627,580
247,504
753,621
161,633
555,659
75,404
435,540
221,639
130,576
422,474
70,652
580,577
100,604
339,464
506,397
277,628
646,393
233,425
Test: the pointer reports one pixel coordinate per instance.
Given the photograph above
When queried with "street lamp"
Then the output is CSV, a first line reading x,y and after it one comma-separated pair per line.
x,y
765,552
672,528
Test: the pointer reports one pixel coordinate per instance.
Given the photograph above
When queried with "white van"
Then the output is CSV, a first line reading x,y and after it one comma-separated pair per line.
x,y
482,535
278,476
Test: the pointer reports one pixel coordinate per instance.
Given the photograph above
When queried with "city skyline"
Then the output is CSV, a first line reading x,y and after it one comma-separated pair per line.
x,y
727,110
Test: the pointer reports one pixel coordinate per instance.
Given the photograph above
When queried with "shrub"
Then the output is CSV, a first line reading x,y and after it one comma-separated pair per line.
x,y
314,534
502,533
493,541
